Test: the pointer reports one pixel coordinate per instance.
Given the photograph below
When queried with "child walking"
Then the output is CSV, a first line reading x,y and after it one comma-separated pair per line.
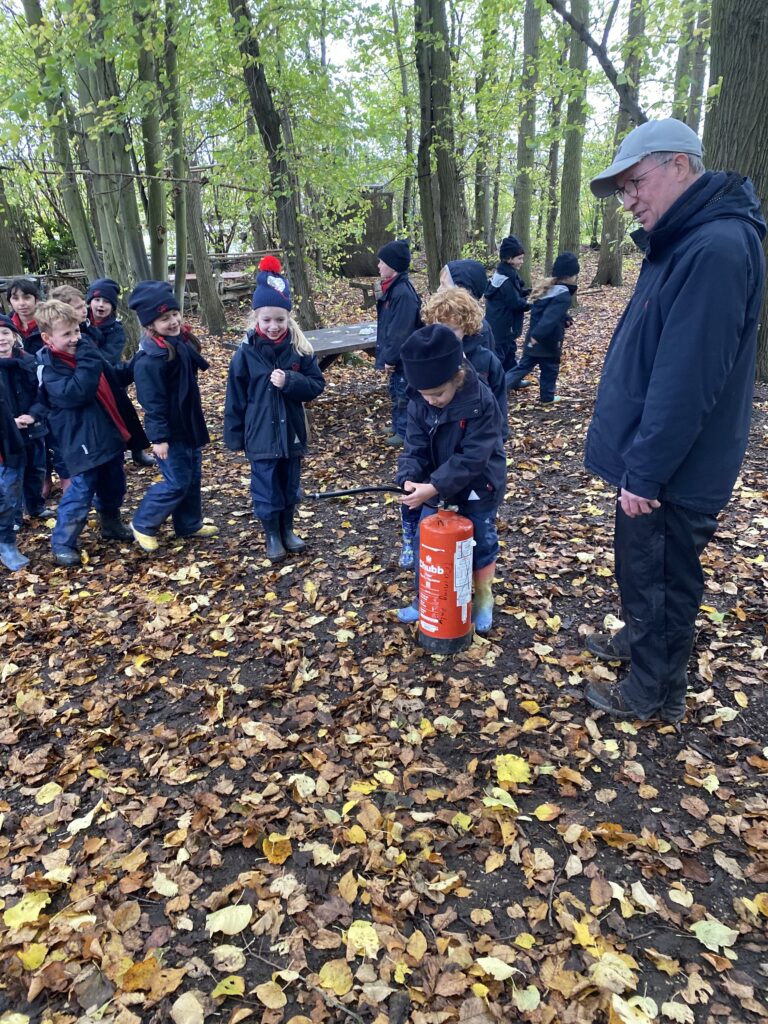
x,y
453,452
506,301
165,371
270,377
92,422
23,296
549,319
18,373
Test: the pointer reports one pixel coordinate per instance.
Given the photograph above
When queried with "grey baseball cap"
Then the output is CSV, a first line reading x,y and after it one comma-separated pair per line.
x,y
666,136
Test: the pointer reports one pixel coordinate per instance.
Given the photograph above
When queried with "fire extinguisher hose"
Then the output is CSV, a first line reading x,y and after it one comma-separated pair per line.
x,y
347,492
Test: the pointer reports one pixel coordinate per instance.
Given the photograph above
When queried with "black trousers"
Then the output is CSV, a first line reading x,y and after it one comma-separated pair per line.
x,y
661,584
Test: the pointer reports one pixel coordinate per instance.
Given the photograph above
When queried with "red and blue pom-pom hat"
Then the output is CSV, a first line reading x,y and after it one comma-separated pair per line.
x,y
272,288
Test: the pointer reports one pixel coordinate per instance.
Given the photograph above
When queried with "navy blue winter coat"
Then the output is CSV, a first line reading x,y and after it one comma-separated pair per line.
x,y
489,370
12,449
112,340
32,340
19,374
549,318
673,408
83,433
399,315
457,449
264,421
165,371
506,304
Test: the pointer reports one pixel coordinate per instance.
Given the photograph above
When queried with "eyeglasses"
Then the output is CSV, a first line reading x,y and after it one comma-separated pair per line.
x,y
630,188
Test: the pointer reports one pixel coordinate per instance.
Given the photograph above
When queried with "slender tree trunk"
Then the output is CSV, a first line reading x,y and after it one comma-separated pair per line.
x,y
699,66
570,185
681,86
483,191
178,158
553,167
284,181
736,129
70,191
10,258
405,90
211,306
153,151
610,264
495,203
526,138
429,210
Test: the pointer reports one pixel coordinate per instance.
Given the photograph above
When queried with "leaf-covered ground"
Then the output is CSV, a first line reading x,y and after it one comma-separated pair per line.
x,y
232,790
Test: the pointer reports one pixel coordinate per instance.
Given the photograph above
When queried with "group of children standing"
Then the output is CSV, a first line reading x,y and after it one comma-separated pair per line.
x,y
62,380
450,367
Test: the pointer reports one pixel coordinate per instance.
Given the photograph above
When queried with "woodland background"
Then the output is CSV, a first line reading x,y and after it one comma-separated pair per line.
x,y
132,128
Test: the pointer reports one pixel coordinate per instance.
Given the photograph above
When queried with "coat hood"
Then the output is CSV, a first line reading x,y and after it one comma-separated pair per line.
x,y
470,275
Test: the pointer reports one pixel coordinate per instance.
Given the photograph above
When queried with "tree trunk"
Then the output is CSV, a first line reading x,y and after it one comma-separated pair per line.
x,y
526,137
553,167
682,83
153,150
698,66
70,191
178,158
429,212
10,257
284,181
736,129
570,185
211,307
407,208
610,265
483,196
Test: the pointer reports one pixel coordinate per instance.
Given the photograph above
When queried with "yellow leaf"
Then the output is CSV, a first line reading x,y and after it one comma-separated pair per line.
x,y
309,589
417,945
32,956
164,886
461,821
612,972
547,812
47,793
678,1012
26,910
10,1016
510,768
480,916
385,777
362,938
188,1009
271,995
80,824
496,968
525,940
526,998
361,786
229,920
356,835
401,972
494,860
499,798
348,887
480,990
276,848
232,985
336,975
713,934
761,901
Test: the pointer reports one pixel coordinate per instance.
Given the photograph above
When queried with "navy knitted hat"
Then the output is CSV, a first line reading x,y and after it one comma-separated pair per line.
x,y
272,289
431,356
510,247
5,321
150,299
469,275
566,265
104,288
396,255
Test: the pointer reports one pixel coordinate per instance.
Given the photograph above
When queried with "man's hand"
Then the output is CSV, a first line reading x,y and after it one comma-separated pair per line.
x,y
417,494
278,378
160,451
633,505
24,421
388,368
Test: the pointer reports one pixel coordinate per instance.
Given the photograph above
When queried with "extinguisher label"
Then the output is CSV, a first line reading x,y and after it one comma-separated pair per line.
x,y
462,574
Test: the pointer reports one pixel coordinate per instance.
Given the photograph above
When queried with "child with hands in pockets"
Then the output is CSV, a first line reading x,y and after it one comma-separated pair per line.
x,y
271,376
453,452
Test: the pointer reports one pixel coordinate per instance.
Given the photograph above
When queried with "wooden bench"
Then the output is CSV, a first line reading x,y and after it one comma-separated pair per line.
x,y
369,292
331,342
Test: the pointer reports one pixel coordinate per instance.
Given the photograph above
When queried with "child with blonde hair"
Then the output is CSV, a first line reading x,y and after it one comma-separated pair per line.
x,y
271,375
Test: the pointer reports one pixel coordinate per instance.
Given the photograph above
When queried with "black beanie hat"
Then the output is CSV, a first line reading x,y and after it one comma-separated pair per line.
x,y
150,299
566,265
431,356
396,255
6,321
510,247
104,288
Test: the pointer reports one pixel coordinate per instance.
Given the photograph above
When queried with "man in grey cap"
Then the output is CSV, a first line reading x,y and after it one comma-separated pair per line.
x,y
670,424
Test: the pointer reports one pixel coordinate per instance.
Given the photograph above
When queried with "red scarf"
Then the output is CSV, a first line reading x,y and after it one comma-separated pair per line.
x,y
274,341
385,284
26,331
103,394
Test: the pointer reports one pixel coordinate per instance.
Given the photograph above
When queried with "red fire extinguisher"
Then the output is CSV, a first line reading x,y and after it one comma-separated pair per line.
x,y
445,582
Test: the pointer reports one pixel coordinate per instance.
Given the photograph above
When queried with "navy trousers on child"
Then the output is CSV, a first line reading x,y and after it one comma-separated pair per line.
x,y
11,485
177,495
274,485
549,368
31,498
398,393
103,486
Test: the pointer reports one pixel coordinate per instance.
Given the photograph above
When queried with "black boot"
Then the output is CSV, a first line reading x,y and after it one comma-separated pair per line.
x,y
140,458
290,540
611,648
274,543
112,527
